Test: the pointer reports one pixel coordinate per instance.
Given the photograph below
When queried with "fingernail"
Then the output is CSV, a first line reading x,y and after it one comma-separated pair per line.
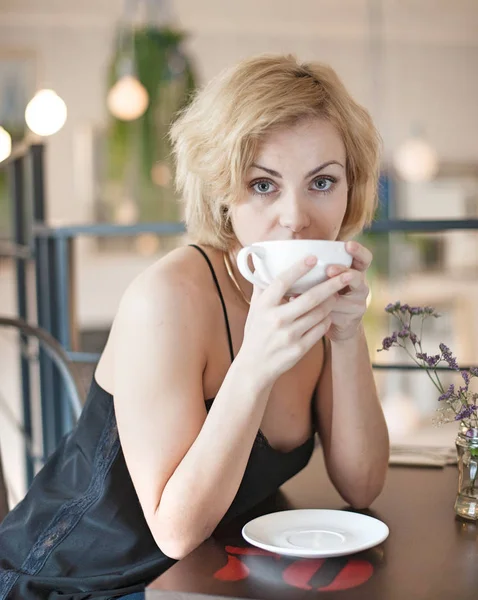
x,y
310,261
346,277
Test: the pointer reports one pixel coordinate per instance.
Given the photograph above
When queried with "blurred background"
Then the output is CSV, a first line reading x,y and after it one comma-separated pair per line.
x,y
87,92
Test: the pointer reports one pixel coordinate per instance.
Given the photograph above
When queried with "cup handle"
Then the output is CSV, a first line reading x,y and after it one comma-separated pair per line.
x,y
243,265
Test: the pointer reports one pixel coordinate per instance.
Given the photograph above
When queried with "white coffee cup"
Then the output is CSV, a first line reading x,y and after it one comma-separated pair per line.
x,y
272,258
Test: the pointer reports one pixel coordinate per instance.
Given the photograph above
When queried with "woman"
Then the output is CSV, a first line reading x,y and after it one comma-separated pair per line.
x,y
271,149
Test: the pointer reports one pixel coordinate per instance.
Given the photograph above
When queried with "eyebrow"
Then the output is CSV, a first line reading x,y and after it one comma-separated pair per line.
x,y
309,174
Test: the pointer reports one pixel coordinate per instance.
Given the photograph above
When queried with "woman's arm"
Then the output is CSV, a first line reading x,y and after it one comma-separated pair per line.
x,y
351,421
187,468
352,427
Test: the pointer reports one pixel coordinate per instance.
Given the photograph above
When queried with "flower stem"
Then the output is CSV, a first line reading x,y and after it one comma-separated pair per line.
x,y
437,382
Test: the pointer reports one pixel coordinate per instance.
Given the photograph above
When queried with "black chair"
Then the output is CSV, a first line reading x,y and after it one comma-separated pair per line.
x,y
75,390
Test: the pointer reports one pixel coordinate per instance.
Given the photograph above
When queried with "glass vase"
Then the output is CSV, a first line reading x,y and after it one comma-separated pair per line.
x,y
466,503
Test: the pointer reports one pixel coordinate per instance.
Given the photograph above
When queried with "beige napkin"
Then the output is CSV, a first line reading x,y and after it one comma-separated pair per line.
x,y
422,456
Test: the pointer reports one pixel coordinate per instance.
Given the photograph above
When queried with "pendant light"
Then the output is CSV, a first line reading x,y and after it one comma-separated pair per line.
x,y
128,99
416,160
46,113
5,144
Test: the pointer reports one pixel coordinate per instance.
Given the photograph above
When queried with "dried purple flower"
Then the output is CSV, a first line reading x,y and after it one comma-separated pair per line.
x,y
391,308
411,310
431,361
449,358
448,394
466,412
387,343
452,363
459,405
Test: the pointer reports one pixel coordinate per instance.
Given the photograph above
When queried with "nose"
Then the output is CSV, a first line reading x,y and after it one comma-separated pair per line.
x,y
293,214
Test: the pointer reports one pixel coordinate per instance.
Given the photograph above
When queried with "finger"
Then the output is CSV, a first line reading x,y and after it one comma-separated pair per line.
x,y
280,285
333,270
316,333
256,292
356,280
315,296
361,256
314,317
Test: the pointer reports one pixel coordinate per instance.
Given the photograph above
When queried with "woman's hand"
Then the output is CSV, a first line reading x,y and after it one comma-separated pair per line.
x,y
351,302
277,333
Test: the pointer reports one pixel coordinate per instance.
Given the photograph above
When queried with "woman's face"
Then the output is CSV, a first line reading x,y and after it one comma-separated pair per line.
x,y
296,188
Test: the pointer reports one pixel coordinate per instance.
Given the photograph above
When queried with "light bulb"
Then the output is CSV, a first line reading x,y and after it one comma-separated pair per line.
x,y
161,174
416,161
126,213
127,99
46,113
5,144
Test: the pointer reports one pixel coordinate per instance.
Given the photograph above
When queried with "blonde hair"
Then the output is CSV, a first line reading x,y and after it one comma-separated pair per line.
x,y
215,139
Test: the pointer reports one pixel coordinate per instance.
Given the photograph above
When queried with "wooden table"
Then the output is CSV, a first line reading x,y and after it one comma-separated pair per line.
x,y
429,555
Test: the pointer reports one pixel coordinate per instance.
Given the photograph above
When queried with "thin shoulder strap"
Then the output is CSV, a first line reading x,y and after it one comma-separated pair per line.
x,y
221,297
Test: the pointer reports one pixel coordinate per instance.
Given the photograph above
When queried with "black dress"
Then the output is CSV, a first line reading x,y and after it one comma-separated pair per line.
x,y
80,532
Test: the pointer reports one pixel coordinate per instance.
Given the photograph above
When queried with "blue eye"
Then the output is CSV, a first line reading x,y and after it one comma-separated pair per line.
x,y
323,184
263,188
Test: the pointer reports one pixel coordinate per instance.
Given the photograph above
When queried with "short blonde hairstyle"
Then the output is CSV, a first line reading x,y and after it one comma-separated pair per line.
x,y
215,139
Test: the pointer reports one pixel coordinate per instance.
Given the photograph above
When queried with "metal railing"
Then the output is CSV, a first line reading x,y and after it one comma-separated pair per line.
x,y
25,170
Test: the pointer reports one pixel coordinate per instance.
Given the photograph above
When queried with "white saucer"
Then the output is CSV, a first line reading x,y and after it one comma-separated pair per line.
x,y
314,533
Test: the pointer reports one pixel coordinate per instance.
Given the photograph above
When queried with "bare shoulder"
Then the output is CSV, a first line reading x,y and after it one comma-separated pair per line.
x,y
174,294
178,283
